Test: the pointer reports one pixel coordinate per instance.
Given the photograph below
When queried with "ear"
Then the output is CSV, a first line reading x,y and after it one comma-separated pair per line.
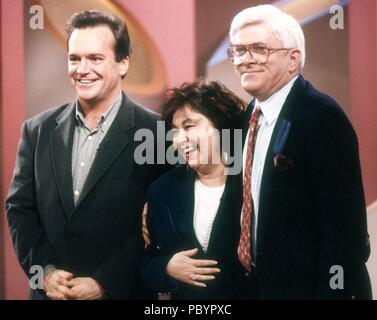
x,y
294,60
123,67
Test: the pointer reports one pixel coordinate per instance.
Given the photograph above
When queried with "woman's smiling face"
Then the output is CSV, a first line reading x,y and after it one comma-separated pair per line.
x,y
196,139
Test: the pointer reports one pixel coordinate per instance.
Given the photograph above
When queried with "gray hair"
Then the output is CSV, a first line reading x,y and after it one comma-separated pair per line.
x,y
284,27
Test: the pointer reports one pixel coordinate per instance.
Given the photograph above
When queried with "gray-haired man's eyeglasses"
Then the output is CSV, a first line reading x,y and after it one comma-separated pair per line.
x,y
258,51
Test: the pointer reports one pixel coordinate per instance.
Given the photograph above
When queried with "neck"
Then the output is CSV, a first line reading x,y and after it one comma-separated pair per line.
x,y
93,111
214,176
277,87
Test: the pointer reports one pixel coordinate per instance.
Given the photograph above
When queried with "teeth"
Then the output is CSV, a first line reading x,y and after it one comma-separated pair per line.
x,y
86,81
189,150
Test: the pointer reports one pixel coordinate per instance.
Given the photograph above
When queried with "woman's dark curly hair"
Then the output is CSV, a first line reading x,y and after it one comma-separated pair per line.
x,y
211,98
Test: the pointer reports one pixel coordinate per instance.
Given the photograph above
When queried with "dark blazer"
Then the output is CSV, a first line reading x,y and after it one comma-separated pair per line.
x,y
312,212
170,222
100,236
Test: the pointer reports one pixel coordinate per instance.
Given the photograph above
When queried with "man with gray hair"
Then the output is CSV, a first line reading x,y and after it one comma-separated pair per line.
x,y
303,222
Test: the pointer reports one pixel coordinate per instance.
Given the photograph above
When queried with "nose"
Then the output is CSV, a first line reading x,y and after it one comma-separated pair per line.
x,y
180,137
83,66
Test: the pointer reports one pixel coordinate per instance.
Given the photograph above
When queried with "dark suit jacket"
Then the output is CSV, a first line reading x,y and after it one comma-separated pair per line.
x,y
100,236
170,222
312,212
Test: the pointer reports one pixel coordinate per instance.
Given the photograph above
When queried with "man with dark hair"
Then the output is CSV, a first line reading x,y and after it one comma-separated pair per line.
x,y
75,200
94,18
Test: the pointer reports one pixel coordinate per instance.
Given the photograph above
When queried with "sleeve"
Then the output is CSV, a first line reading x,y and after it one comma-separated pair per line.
x,y
157,256
29,239
119,274
335,177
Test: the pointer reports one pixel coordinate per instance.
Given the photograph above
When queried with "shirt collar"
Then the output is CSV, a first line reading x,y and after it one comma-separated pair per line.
x,y
272,106
80,116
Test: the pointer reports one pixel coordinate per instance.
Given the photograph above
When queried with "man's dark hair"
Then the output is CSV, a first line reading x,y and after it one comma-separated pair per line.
x,y
95,18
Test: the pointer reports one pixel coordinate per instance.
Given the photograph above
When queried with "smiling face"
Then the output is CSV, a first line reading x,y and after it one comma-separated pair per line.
x,y
92,68
262,80
196,139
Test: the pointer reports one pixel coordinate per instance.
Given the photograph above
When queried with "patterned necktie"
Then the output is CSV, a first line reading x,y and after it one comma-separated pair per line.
x,y
244,251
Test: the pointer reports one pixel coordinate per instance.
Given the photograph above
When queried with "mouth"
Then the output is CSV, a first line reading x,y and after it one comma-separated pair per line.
x,y
251,71
86,82
188,151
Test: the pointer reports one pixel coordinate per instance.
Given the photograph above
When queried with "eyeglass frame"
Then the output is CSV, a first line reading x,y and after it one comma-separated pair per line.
x,y
248,49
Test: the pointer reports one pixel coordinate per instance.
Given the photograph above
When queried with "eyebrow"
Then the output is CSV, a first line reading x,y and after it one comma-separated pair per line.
x,y
188,121
183,123
254,43
90,55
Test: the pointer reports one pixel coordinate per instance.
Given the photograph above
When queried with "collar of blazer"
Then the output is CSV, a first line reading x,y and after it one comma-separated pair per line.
x,y
284,121
61,141
180,214
126,113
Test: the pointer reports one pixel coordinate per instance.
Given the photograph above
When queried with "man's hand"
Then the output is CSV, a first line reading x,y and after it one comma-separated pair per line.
x,y
144,229
55,285
192,271
86,288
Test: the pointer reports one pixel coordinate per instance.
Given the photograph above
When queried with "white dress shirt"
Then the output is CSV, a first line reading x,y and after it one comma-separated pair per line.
x,y
207,201
270,108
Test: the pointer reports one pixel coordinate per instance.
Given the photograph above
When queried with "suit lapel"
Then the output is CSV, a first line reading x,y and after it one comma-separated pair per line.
x,y
285,117
226,220
182,207
188,218
115,140
61,140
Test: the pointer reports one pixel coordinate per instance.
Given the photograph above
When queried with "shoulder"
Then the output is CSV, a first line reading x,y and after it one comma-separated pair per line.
x,y
314,96
169,182
318,112
46,118
318,106
145,112
314,99
143,115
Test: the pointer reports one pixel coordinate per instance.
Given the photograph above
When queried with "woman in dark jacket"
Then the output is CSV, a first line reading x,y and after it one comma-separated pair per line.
x,y
194,210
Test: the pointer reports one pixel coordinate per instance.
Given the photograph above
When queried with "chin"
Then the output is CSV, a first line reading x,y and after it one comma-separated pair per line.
x,y
86,96
193,164
250,88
